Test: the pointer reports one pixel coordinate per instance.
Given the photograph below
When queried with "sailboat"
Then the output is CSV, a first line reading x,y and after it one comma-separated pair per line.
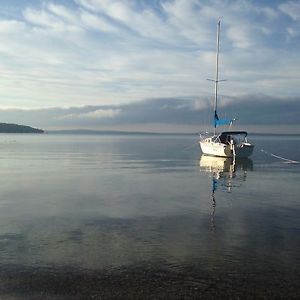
x,y
227,143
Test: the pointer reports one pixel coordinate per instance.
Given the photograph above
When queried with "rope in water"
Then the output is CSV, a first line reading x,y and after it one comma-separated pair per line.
x,y
289,161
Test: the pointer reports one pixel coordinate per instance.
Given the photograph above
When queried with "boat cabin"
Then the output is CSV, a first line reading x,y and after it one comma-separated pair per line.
x,y
235,137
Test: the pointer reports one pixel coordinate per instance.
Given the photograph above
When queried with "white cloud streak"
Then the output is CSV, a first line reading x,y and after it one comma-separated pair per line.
x,y
292,9
97,114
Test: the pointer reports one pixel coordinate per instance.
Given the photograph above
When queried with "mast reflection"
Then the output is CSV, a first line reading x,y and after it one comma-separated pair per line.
x,y
226,173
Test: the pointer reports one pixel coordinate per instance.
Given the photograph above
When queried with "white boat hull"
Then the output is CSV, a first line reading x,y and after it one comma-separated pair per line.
x,y
219,149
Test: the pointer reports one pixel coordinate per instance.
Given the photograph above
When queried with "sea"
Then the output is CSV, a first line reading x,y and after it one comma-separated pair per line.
x,y
140,216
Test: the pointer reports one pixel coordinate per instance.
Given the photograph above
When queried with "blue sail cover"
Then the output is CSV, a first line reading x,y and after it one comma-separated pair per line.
x,y
218,122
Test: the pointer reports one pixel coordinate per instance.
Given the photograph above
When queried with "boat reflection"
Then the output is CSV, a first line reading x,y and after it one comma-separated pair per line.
x,y
226,173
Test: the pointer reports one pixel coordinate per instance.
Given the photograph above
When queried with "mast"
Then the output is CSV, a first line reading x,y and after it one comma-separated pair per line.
x,y
217,80
217,73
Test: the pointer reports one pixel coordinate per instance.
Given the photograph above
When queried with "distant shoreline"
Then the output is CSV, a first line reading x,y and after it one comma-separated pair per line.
x,y
119,132
15,128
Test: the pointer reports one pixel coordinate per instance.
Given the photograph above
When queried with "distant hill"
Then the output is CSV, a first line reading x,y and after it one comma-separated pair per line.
x,y
14,128
109,132
95,132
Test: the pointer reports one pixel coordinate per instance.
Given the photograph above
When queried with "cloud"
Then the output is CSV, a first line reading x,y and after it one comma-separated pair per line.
x,y
100,53
42,18
157,114
98,114
11,26
62,12
95,22
240,37
292,9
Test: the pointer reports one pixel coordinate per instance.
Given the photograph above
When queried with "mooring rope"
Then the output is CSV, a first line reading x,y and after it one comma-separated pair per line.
x,y
289,161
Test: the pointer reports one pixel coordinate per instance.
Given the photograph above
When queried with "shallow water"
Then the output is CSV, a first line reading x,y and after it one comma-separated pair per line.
x,y
115,203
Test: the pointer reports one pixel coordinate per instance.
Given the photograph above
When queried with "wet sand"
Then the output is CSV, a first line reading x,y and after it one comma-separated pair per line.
x,y
148,282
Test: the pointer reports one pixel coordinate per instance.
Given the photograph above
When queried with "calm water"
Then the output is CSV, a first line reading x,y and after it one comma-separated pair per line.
x,y
115,203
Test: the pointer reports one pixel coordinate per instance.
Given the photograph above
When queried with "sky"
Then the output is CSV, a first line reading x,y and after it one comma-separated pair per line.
x,y
143,65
